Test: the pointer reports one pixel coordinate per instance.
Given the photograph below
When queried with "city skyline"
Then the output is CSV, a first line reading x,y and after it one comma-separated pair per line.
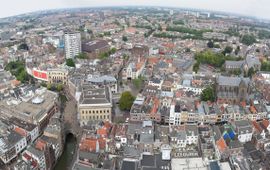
x,y
244,7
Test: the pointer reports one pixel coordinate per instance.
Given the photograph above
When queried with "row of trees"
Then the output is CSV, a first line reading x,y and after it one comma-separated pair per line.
x,y
264,34
233,31
197,34
214,59
81,56
165,35
179,22
107,54
144,26
53,87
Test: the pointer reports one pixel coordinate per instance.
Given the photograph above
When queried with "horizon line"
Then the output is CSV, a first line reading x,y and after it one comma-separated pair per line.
x,y
136,6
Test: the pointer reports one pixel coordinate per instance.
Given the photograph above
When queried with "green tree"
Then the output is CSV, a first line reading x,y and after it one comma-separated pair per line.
x,y
265,66
264,34
43,84
208,94
227,50
17,68
251,71
124,38
70,62
187,50
113,50
179,22
210,44
89,31
159,27
196,67
23,46
216,46
236,71
126,101
23,76
49,86
213,59
104,55
125,56
138,82
82,56
248,39
236,51
59,87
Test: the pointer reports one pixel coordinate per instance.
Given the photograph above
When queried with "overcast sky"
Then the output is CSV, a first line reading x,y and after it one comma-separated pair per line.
x,y
258,8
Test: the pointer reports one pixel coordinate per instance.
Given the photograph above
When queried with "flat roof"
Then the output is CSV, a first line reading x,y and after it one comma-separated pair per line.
x,y
92,95
188,164
28,111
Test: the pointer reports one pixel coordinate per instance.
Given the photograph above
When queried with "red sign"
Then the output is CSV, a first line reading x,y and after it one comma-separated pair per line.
x,y
40,75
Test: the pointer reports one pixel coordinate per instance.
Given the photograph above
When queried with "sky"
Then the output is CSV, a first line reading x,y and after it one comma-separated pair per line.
x,y
257,8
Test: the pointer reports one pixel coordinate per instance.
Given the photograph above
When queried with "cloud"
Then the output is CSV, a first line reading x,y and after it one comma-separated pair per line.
x,y
258,8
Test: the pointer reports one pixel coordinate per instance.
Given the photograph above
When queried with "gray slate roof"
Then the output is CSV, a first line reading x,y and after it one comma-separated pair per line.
x,y
231,81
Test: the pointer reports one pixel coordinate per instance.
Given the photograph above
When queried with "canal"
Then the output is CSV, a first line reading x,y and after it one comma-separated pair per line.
x,y
66,158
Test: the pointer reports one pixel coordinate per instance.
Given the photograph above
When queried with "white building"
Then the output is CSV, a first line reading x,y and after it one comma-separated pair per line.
x,y
244,130
11,145
134,69
28,130
192,134
155,82
72,44
35,157
175,116
54,40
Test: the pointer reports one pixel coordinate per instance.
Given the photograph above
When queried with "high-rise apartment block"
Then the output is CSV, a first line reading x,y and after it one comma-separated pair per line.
x,y
72,44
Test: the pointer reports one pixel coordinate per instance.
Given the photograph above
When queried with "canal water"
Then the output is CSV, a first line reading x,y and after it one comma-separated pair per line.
x,y
66,158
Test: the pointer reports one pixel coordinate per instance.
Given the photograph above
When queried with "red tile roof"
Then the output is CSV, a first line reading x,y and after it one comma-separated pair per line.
x,y
102,132
40,145
155,107
153,60
265,123
221,144
90,144
20,131
257,126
